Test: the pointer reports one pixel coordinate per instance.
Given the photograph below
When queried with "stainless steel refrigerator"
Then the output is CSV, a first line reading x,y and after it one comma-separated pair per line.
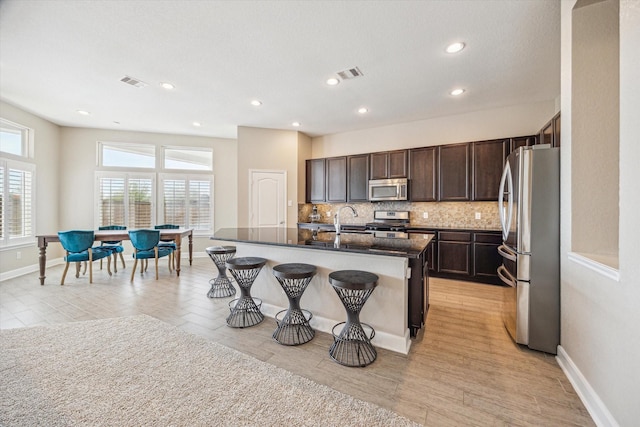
x,y
529,208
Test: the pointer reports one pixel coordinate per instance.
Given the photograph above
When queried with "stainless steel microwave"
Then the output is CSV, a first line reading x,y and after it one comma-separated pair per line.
x,y
388,189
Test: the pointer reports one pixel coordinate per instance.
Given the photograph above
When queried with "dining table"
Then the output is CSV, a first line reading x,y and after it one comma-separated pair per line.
x,y
115,236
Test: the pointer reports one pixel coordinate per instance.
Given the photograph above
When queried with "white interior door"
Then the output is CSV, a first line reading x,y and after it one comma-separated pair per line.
x,y
267,207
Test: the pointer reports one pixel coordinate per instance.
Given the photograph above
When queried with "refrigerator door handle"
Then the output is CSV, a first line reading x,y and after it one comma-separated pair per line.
x,y
506,277
505,180
507,253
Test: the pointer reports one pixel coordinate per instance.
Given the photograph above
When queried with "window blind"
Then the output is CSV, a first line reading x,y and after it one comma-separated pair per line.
x,y
140,193
111,209
175,201
16,202
125,200
200,205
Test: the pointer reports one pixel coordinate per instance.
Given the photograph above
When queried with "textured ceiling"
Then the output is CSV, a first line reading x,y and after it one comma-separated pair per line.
x,y
60,56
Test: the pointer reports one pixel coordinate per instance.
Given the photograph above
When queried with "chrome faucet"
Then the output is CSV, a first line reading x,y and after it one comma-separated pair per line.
x,y
336,217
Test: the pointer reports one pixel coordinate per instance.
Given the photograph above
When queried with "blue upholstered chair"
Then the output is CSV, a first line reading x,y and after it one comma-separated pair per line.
x,y
78,244
170,243
114,246
145,246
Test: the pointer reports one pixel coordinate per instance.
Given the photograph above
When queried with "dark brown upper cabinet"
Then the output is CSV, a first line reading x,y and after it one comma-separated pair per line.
x,y
358,178
488,163
522,141
550,132
556,130
315,175
388,164
423,174
546,134
454,167
336,170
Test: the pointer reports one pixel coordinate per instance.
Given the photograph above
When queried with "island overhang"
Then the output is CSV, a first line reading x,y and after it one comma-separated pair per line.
x,y
387,308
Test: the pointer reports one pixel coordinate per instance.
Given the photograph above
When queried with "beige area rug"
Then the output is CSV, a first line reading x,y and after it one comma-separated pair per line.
x,y
139,371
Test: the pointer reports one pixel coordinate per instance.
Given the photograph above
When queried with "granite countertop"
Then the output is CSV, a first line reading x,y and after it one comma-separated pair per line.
x,y
451,228
357,242
327,226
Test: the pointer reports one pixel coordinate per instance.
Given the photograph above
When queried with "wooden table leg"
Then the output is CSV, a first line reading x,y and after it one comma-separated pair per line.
x,y
178,254
190,248
42,260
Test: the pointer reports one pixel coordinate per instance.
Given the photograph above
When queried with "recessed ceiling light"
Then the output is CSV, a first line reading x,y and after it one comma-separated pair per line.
x,y
256,103
363,110
333,81
457,92
83,112
455,47
295,124
197,124
167,86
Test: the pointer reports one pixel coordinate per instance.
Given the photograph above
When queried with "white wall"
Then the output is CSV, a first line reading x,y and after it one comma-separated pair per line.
x,y
517,120
595,130
600,329
78,165
270,149
47,149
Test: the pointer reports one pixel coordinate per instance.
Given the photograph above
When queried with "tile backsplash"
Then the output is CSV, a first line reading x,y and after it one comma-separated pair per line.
x,y
440,214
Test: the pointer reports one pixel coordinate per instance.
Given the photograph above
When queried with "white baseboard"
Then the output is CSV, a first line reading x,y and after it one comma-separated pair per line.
x,y
6,275
382,339
596,407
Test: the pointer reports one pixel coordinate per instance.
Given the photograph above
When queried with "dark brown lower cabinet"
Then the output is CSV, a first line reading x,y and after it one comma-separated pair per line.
x,y
454,252
486,258
418,303
470,255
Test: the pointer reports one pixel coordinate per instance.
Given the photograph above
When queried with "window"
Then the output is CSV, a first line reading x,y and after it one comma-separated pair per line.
x,y
125,199
15,140
200,159
126,195
187,200
17,215
17,185
123,155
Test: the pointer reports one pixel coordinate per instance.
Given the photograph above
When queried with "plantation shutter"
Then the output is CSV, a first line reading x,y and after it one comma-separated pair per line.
x,y
18,218
200,205
2,203
175,201
140,195
111,209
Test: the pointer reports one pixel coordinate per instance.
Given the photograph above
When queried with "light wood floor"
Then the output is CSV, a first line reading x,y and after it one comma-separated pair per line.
x,y
463,370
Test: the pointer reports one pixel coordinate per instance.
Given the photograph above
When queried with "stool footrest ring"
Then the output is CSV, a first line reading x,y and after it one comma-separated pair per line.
x,y
221,287
245,312
352,346
293,327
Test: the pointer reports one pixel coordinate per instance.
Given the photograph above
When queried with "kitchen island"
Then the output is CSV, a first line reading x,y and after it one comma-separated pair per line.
x,y
397,307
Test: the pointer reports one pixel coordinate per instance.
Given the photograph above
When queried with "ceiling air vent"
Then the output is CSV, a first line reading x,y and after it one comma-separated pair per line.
x,y
133,82
351,73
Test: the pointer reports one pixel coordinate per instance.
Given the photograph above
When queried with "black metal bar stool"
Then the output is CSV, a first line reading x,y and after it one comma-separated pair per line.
x,y
293,328
352,346
221,286
245,311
